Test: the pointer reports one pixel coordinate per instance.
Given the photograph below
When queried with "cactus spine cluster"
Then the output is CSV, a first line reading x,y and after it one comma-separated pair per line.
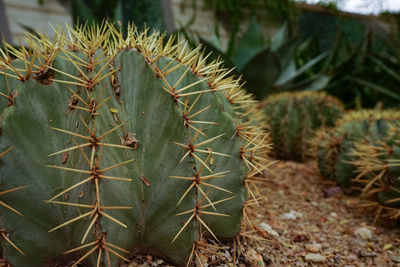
x,y
293,118
120,144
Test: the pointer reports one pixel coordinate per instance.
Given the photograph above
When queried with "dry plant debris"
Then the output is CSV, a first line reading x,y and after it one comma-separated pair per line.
x,y
303,221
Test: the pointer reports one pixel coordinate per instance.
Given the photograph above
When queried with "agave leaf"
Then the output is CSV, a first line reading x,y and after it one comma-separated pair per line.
x,y
378,88
191,39
320,82
279,38
216,53
314,83
287,51
118,13
261,72
251,43
291,73
384,67
82,12
216,41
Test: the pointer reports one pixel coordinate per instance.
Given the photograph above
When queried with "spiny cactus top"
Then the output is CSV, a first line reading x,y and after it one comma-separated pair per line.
x,y
292,118
116,144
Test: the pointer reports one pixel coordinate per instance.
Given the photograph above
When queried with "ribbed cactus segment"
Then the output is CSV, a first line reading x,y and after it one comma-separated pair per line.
x,y
293,118
3,232
120,144
336,146
378,168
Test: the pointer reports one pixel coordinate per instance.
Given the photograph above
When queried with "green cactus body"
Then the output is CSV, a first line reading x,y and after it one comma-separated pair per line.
x,y
118,145
293,118
377,168
335,147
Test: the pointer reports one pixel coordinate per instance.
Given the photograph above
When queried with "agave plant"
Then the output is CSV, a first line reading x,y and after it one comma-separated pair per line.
x,y
118,145
366,73
270,65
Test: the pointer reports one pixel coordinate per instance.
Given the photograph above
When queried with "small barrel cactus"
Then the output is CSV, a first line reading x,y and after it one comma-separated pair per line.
x,y
293,118
378,170
335,147
120,145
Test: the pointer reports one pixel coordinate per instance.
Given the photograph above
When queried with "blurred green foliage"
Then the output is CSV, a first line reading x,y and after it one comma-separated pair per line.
x,y
365,74
270,65
142,12
353,60
348,57
236,12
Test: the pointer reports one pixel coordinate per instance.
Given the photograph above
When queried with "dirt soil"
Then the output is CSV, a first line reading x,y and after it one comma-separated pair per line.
x,y
304,221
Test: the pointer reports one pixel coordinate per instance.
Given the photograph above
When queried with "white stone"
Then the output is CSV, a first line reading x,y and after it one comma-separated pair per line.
x,y
291,215
364,233
314,247
267,228
315,257
333,214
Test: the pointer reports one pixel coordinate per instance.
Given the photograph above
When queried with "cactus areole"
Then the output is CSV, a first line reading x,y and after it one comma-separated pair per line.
x,y
113,144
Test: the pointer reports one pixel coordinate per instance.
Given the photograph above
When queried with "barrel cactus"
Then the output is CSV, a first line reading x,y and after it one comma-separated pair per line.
x,y
336,147
120,145
293,118
377,166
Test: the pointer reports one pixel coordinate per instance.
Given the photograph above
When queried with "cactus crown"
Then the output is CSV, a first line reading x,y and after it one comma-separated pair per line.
x,y
150,138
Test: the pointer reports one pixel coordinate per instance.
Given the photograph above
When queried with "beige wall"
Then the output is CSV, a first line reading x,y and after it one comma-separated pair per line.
x,y
204,23
35,16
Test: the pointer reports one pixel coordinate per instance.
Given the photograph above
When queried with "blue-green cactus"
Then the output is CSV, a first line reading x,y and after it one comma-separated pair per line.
x,y
120,144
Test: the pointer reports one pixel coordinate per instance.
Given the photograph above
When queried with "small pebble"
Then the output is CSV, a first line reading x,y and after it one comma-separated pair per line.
x,y
364,233
364,253
333,214
313,247
395,258
291,215
315,257
352,258
332,191
266,227
300,238
254,258
337,259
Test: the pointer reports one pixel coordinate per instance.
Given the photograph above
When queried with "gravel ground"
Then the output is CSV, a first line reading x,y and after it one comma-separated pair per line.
x,y
304,221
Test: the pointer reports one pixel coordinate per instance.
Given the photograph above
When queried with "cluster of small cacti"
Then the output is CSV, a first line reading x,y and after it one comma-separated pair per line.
x,y
120,144
293,118
362,151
